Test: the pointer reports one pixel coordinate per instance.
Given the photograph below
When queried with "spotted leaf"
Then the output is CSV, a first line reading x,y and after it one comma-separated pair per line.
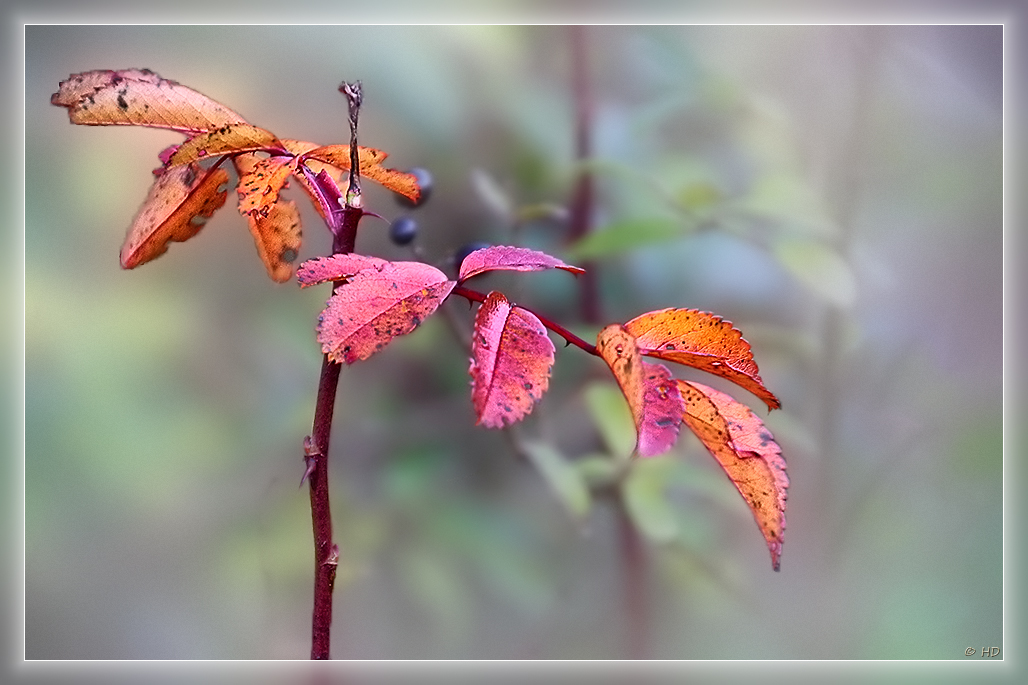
x,y
370,161
230,138
376,305
746,451
703,341
139,97
652,395
511,358
178,205
337,267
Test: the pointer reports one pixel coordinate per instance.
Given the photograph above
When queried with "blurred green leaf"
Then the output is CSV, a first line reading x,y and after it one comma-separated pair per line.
x,y
598,470
820,268
645,493
563,478
434,581
612,417
699,196
493,197
790,201
624,236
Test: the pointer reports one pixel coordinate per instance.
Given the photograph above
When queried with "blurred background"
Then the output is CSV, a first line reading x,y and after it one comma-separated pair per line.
x,y
834,191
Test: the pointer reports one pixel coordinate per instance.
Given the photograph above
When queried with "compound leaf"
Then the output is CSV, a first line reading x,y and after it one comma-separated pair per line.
x,y
511,358
703,341
746,451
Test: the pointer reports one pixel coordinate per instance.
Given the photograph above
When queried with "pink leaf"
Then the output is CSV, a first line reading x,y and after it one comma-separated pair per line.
x,y
510,363
335,268
653,397
510,259
378,304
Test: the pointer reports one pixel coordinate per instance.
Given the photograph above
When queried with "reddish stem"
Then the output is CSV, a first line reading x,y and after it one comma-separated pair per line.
x,y
571,338
634,583
581,220
326,553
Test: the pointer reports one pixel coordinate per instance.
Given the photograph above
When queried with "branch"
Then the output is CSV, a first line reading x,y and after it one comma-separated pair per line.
x,y
316,449
580,222
571,338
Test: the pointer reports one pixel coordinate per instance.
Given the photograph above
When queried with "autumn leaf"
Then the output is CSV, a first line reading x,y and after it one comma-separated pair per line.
x,y
139,97
652,395
370,161
230,138
510,259
511,357
260,181
277,235
337,267
746,451
378,304
703,341
178,205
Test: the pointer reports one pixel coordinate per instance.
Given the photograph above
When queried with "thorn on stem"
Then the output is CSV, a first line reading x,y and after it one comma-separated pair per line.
x,y
310,458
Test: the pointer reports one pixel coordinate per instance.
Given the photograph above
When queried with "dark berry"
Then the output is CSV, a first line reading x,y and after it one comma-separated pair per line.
x,y
403,230
464,250
424,182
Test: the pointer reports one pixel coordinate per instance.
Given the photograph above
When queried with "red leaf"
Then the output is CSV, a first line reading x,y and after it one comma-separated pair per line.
x,y
746,451
229,138
139,97
703,341
510,259
179,203
511,357
652,394
338,267
378,304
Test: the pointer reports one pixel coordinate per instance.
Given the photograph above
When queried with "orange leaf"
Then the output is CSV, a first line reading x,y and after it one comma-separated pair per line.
x,y
703,341
746,451
277,235
179,203
371,167
260,181
511,357
139,97
226,139
378,304
652,395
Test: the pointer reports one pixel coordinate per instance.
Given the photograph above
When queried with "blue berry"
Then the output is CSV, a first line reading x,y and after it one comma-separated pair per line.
x,y
403,230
